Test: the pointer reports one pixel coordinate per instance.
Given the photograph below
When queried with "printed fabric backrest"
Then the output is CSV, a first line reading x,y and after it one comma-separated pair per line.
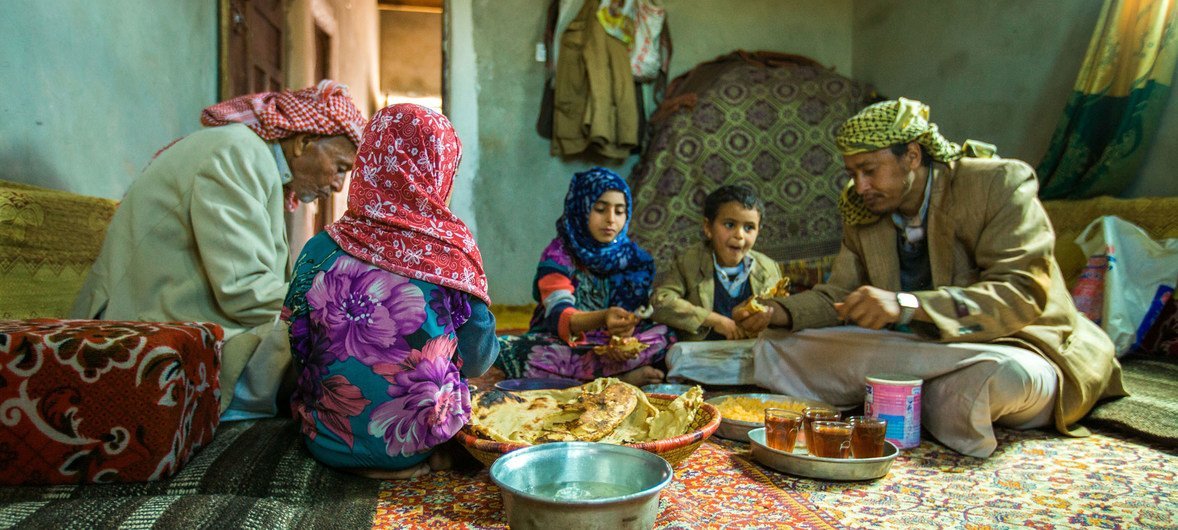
x,y
763,119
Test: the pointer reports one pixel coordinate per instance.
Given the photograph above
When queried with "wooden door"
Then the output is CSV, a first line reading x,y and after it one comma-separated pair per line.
x,y
251,42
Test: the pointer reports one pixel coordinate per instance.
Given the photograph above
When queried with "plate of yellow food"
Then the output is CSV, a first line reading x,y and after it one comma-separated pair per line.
x,y
741,413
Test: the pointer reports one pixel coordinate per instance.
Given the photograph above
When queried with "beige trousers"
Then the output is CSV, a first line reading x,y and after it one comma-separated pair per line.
x,y
967,386
254,366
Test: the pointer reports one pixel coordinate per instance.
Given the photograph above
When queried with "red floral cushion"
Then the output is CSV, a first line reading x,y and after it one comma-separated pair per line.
x,y
86,401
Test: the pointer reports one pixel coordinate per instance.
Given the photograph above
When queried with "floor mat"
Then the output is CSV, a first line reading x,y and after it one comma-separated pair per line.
x,y
1151,411
712,489
253,475
1035,479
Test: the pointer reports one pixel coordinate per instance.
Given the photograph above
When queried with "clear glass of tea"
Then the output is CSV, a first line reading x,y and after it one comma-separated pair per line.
x,y
781,428
867,436
830,439
816,413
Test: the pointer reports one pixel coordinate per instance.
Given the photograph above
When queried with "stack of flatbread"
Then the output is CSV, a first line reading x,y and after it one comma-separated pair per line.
x,y
604,410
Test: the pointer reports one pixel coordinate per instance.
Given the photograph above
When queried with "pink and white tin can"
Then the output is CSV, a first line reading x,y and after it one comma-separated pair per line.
x,y
895,398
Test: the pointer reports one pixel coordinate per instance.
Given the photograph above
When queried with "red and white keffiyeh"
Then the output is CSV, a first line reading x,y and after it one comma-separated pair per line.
x,y
325,109
397,217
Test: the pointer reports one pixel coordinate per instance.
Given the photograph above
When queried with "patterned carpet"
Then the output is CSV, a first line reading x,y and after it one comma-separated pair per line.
x,y
1035,480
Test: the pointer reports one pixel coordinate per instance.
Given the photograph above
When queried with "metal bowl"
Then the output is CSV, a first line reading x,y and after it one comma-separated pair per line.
x,y
803,464
581,485
667,388
536,383
739,430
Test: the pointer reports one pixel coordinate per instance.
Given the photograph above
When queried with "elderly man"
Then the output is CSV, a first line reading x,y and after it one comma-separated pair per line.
x,y
958,251
201,234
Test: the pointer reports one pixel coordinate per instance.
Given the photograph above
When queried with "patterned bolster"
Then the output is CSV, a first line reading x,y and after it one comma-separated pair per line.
x,y
87,401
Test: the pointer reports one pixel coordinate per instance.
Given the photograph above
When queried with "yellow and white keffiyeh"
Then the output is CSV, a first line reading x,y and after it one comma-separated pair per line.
x,y
888,123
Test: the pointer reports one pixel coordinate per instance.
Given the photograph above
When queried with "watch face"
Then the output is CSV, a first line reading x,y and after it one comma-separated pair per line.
x,y
907,300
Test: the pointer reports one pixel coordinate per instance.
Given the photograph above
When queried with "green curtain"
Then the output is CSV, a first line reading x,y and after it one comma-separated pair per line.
x,y
1111,117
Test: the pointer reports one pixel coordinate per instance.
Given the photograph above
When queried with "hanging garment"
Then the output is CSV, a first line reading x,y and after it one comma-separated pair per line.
x,y
595,101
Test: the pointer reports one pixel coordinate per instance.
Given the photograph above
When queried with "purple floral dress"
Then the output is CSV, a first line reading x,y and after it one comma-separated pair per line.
x,y
376,353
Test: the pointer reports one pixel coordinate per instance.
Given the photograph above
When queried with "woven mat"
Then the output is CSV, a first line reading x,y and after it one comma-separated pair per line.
x,y
253,475
1151,411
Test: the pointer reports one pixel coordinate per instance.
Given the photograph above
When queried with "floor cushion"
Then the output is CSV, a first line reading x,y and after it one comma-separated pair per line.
x,y
85,401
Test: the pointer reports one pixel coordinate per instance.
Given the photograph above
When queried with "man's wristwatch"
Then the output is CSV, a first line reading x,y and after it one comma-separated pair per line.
x,y
908,304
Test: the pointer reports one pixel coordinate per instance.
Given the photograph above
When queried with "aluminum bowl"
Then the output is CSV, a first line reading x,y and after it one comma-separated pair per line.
x,y
667,388
536,383
581,485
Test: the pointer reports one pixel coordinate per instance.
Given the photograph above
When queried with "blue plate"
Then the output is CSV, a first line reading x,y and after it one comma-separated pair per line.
x,y
536,383
666,388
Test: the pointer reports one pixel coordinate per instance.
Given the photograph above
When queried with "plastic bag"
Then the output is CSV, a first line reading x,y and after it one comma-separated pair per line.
x,y
1137,267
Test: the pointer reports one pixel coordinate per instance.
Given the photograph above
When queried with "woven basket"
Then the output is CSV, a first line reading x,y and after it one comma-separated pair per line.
x,y
674,450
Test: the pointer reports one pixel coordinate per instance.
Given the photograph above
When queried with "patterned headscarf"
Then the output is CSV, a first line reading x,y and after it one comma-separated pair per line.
x,y
630,269
397,217
888,123
326,109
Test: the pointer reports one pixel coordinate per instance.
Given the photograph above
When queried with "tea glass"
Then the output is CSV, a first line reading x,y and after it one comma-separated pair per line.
x,y
815,413
867,436
830,439
781,428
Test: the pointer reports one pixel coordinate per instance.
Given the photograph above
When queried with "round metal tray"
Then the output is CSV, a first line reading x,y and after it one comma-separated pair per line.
x,y
804,464
739,430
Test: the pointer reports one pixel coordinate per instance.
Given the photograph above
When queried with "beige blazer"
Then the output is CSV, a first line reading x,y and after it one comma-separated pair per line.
x,y
200,235
684,292
991,251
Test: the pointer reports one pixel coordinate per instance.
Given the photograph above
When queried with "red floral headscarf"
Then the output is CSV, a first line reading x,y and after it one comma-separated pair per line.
x,y
325,109
397,217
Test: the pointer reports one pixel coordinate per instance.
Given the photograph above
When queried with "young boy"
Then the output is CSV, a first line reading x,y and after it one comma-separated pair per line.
x,y
699,292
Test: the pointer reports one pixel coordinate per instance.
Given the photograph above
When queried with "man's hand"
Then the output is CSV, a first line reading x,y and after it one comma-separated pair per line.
x,y
869,307
753,323
620,322
724,326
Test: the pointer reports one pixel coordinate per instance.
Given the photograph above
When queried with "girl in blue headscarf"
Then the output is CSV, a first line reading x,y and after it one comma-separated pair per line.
x,y
590,281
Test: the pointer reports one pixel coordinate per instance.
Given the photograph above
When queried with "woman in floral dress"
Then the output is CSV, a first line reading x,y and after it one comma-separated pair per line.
x,y
590,280
388,307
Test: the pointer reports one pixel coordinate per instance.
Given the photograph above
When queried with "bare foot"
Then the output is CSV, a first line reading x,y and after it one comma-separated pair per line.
x,y
440,460
643,375
392,474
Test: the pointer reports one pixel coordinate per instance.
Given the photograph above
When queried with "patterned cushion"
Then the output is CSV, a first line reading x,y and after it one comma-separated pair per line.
x,y
48,240
85,401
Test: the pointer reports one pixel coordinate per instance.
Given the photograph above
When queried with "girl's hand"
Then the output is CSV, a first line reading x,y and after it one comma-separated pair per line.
x,y
620,322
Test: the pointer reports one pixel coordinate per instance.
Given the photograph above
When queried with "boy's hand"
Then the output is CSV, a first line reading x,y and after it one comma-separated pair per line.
x,y
724,326
620,322
753,322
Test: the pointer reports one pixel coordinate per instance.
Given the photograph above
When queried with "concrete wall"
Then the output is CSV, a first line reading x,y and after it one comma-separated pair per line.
x,y
516,188
91,90
999,71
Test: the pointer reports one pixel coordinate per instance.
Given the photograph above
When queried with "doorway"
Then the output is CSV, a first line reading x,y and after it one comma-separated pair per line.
x,y
411,52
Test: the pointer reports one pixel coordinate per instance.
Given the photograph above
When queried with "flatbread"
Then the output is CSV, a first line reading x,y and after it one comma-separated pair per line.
x,y
606,410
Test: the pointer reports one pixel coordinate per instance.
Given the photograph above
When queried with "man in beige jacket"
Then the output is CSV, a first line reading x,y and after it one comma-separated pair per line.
x,y
957,253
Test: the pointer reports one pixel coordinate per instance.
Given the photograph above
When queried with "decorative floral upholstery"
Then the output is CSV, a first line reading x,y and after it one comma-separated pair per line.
x,y
84,401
